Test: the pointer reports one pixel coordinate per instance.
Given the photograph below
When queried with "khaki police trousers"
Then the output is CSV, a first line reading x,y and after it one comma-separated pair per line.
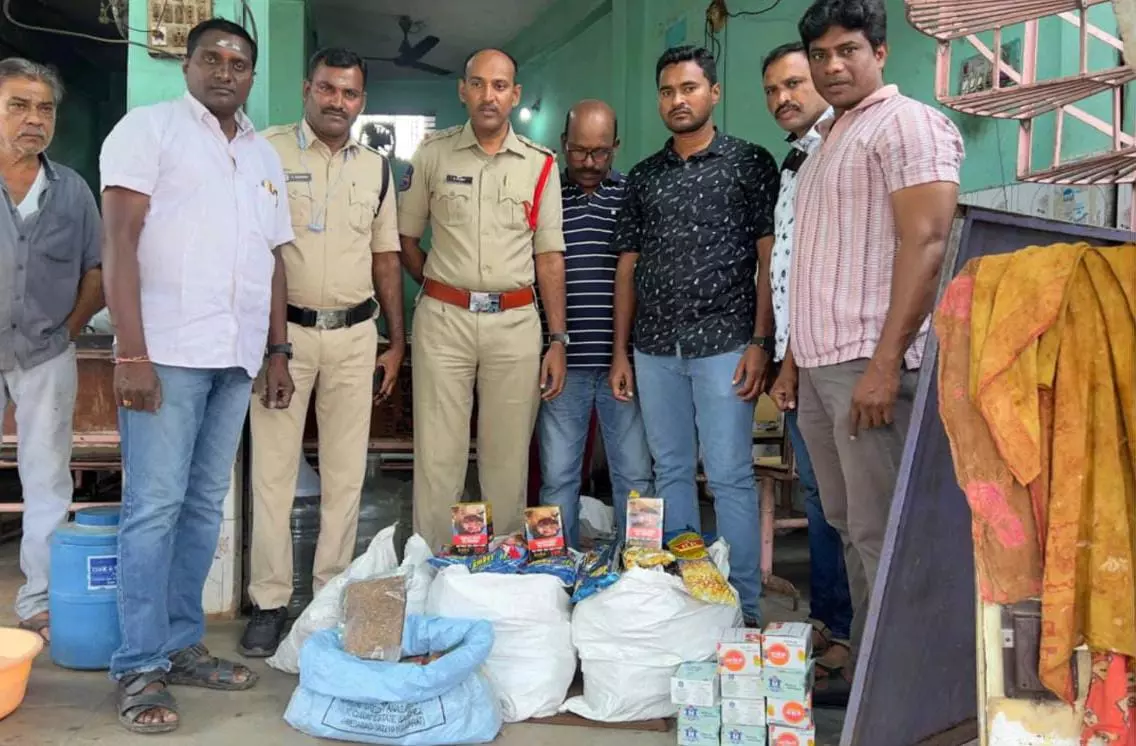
x,y
453,351
339,366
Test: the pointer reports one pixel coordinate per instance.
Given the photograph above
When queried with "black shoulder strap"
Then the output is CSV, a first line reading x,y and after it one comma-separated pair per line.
x,y
386,180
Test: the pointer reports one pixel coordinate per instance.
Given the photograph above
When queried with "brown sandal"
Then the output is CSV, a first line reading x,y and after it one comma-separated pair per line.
x,y
37,624
821,630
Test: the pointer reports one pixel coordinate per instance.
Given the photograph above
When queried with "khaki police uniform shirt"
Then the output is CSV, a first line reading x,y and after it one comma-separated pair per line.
x,y
336,216
475,204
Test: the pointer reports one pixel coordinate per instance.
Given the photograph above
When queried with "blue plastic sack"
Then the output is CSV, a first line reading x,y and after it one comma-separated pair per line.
x,y
402,704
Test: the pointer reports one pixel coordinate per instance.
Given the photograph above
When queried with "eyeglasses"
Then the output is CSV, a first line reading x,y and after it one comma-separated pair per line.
x,y
599,155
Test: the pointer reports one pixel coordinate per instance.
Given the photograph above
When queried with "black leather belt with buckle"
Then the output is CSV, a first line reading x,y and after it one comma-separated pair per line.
x,y
337,318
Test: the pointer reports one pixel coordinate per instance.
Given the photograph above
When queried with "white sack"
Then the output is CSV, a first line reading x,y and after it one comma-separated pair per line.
x,y
632,637
533,662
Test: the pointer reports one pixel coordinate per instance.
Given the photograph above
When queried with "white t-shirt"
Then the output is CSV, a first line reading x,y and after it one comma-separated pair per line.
x,y
30,204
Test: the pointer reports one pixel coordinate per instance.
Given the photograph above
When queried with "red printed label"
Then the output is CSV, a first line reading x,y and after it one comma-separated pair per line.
x,y
734,661
777,654
794,713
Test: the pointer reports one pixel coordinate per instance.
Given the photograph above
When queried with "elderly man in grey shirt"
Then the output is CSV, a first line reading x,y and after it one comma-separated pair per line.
x,y
50,286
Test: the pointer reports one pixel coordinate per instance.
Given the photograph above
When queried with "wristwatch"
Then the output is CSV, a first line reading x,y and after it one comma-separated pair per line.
x,y
769,344
284,349
560,337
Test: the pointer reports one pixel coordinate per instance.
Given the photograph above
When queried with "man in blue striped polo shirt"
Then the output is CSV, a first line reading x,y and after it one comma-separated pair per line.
x,y
592,196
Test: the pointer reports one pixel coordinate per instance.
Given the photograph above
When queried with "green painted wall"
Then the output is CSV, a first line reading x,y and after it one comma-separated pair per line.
x,y
438,98
563,77
608,48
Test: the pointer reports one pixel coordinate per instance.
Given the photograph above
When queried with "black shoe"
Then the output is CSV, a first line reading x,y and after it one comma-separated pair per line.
x,y
263,633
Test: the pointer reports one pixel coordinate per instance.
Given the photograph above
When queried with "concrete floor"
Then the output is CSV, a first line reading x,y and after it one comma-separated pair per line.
x,y
72,708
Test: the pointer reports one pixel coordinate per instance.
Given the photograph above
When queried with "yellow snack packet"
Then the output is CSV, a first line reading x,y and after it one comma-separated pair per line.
x,y
699,573
646,557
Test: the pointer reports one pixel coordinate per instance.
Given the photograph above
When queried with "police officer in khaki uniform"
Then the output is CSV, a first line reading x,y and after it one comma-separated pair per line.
x,y
346,250
492,201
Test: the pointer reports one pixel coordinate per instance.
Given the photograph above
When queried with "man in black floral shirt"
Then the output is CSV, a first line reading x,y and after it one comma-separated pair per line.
x,y
697,215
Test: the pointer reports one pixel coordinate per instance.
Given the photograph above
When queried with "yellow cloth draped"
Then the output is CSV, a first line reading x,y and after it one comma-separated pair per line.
x,y
1036,391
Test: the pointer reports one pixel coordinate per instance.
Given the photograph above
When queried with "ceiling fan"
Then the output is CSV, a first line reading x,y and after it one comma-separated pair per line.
x,y
410,55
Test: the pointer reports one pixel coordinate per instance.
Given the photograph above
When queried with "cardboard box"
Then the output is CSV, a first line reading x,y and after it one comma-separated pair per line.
x,y
696,684
644,522
779,735
742,687
743,712
739,652
544,532
787,646
793,713
786,684
743,735
690,735
702,718
473,528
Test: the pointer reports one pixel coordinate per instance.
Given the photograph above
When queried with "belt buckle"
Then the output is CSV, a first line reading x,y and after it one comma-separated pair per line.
x,y
328,320
485,302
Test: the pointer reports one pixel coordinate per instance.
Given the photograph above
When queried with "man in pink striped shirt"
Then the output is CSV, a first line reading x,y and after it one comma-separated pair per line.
x,y
874,208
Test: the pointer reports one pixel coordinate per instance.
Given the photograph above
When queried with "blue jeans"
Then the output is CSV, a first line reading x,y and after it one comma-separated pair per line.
x,y
691,404
177,465
830,601
562,427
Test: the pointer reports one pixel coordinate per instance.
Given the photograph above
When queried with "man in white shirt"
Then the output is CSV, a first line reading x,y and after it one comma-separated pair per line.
x,y
798,109
196,210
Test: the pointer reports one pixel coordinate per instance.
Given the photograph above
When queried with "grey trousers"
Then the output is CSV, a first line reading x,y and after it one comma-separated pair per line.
x,y
856,477
45,405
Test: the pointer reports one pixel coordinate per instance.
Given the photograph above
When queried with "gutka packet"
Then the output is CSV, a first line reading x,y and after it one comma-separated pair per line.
x,y
644,522
699,573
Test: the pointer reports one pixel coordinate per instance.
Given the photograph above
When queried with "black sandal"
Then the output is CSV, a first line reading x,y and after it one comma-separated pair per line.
x,y
134,701
194,666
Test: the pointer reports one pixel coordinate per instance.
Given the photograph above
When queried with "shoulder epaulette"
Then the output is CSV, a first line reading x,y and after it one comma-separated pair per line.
x,y
442,134
278,129
536,145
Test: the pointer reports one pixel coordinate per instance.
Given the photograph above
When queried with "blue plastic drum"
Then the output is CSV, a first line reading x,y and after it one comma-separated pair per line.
x,y
83,599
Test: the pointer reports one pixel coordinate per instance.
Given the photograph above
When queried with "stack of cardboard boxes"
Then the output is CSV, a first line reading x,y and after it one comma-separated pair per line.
x,y
759,693
743,703
787,683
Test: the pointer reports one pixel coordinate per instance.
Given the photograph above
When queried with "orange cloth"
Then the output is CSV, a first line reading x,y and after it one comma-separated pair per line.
x,y
1036,390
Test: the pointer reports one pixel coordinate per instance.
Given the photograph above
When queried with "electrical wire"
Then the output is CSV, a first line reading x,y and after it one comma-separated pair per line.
x,y
6,10
717,47
742,13
246,11
113,7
